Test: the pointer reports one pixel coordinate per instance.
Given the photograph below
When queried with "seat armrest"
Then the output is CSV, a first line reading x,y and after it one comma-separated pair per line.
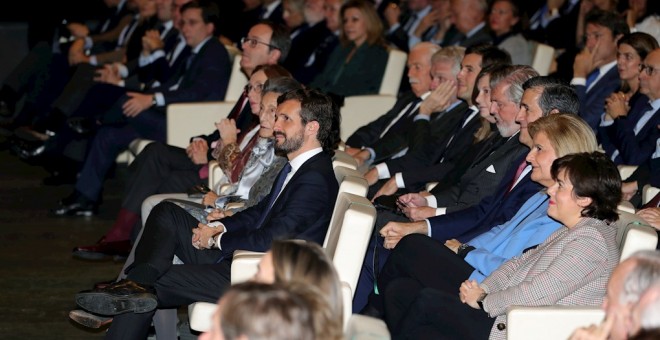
x,y
364,327
201,315
216,175
244,265
549,322
626,170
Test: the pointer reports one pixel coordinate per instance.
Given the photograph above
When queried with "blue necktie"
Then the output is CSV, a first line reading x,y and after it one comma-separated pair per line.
x,y
592,77
274,192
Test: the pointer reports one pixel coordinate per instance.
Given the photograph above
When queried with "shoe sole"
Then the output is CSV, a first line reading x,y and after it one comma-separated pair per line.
x,y
89,320
90,256
107,304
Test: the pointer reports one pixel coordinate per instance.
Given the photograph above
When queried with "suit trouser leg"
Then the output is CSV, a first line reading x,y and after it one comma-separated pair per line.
x,y
159,168
428,261
441,315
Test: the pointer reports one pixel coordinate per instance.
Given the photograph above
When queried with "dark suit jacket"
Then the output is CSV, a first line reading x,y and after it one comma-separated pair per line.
x,y
493,210
425,160
482,178
205,80
592,103
480,37
369,134
302,210
306,43
160,69
633,149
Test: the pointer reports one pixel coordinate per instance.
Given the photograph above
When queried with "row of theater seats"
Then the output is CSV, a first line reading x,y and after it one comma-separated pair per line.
x,y
346,242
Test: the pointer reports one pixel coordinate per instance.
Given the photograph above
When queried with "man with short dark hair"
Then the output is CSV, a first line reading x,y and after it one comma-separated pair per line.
x,y
299,206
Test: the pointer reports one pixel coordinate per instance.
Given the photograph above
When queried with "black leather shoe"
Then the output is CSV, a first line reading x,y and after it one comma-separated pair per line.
x,y
88,319
27,150
81,125
76,205
125,296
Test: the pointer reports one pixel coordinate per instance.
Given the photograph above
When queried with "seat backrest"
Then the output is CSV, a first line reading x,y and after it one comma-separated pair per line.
x,y
350,180
185,120
396,63
341,158
237,81
348,235
633,234
361,110
648,192
543,57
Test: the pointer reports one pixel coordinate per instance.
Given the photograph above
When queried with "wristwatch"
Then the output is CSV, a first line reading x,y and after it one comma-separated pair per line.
x,y
480,300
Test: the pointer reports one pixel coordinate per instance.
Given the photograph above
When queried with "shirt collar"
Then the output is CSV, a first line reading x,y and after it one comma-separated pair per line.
x,y
297,162
199,46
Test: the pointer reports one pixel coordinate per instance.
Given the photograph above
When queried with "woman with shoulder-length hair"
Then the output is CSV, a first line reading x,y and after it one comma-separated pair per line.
x,y
357,64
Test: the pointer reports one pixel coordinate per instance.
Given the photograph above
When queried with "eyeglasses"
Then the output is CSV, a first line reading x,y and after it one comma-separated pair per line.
x,y
650,70
257,88
252,42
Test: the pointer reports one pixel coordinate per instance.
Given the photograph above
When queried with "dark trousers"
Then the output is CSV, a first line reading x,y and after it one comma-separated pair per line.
x,y
168,232
436,314
423,262
159,169
112,140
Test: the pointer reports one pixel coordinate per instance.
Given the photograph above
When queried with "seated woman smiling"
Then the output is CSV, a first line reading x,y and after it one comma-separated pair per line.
x,y
571,267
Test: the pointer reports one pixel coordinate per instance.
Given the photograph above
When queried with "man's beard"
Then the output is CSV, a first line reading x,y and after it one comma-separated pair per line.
x,y
289,144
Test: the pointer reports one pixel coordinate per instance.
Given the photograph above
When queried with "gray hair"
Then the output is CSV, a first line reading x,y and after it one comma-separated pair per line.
x,y
453,54
645,272
515,76
650,316
555,95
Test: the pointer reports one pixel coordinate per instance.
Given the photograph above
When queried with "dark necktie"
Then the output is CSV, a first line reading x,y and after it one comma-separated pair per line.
x,y
519,171
403,121
592,77
410,22
190,59
274,192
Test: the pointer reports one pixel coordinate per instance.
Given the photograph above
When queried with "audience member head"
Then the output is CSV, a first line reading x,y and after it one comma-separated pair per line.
x,y
293,13
333,20
273,88
603,29
481,98
504,17
645,314
587,184
305,120
476,58
628,281
631,50
303,262
467,14
419,67
360,24
506,84
555,136
446,63
253,310
176,12
165,10
256,83
314,11
649,77
417,5
266,43
195,31
542,96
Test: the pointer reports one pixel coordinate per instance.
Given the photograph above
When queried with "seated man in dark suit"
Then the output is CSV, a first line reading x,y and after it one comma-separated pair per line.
x,y
629,139
299,206
595,75
469,27
142,115
401,26
391,124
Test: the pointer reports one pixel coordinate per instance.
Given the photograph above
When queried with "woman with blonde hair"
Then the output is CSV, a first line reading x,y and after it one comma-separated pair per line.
x,y
357,64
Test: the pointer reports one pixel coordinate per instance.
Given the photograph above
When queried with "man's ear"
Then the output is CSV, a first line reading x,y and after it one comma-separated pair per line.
x,y
274,56
312,128
554,111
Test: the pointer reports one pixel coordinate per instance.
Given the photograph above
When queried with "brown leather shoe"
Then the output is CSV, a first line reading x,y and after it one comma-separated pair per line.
x,y
121,297
102,250
88,319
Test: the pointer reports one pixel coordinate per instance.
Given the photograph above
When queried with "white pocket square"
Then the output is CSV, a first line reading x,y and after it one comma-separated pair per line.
x,y
491,169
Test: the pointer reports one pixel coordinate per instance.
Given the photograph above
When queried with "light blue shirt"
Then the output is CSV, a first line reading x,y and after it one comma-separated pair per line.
x,y
529,227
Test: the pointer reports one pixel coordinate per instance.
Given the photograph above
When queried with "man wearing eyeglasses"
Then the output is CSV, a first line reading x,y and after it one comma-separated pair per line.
x,y
595,76
630,137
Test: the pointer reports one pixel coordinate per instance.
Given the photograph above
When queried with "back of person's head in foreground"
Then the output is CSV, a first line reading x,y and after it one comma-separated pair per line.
x,y
254,310
306,263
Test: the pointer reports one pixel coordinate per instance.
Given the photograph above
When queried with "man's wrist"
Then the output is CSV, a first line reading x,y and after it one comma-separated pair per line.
x,y
480,300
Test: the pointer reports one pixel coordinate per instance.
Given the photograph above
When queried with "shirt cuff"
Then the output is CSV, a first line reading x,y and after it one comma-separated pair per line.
x,y
604,122
421,117
440,211
93,61
88,43
160,100
372,155
579,81
431,201
123,70
428,228
399,180
383,171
